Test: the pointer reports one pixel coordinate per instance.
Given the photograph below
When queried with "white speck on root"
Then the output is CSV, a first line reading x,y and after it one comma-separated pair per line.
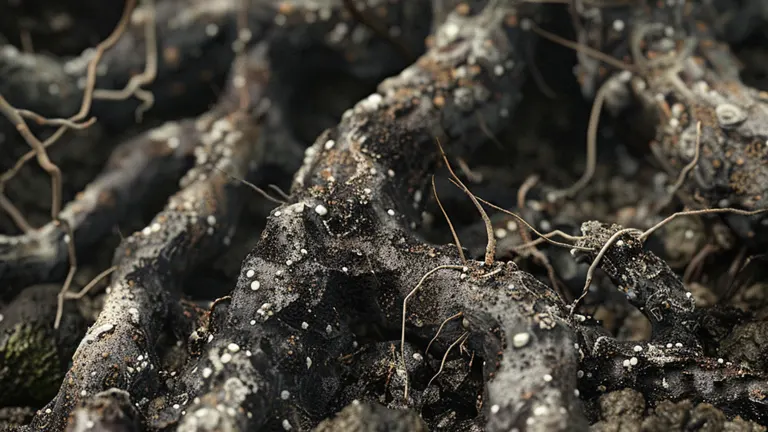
x,y
521,339
96,333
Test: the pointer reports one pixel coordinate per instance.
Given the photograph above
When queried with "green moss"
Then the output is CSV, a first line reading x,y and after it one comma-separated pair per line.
x,y
30,369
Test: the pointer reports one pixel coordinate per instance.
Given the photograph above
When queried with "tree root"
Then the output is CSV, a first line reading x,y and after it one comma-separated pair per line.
x,y
343,252
118,350
136,167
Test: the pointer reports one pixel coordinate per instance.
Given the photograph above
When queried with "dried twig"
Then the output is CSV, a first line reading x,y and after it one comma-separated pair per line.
x,y
461,339
669,218
379,30
85,105
40,152
440,329
405,311
69,240
133,87
691,165
545,237
259,190
578,47
99,277
450,224
589,170
490,249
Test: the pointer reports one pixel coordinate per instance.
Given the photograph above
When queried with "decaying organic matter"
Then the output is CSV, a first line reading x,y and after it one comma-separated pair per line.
x,y
439,262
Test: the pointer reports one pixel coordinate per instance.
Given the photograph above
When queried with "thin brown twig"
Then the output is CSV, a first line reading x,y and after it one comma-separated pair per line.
x,y
669,218
261,191
490,249
487,132
730,291
691,165
133,87
450,224
445,356
80,294
90,81
696,262
529,183
546,237
537,255
15,214
589,170
212,308
43,121
736,264
69,239
536,74
405,311
605,58
543,239
42,155
440,329
473,176
64,124
280,192
379,29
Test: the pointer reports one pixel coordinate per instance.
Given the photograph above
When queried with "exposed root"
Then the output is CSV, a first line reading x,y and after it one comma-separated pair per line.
x,y
86,289
405,311
72,256
543,237
440,329
450,224
259,190
461,339
133,87
669,218
579,47
591,163
196,221
490,249
87,100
